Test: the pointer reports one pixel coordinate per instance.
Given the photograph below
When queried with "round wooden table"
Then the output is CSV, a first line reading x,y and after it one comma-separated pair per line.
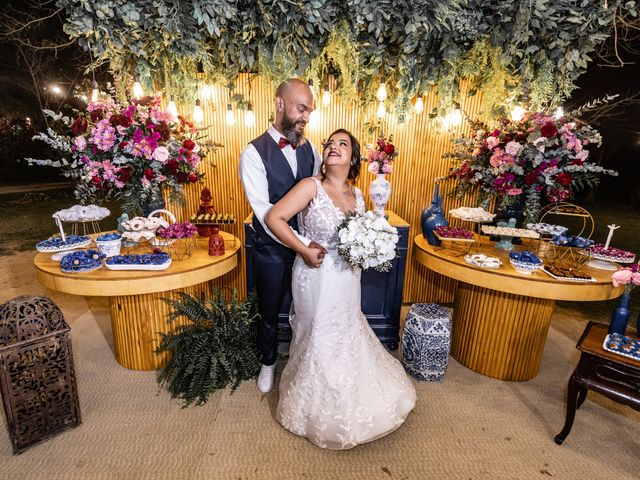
x,y
501,317
138,313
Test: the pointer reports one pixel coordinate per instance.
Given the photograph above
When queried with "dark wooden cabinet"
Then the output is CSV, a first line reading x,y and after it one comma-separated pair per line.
x,y
381,292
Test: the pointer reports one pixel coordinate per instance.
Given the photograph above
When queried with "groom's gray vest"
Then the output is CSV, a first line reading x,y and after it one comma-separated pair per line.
x,y
279,175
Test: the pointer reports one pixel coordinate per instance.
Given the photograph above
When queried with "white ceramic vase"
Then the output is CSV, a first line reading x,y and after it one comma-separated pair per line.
x,y
379,192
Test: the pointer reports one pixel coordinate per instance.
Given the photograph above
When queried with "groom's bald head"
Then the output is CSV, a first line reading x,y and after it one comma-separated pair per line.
x,y
294,103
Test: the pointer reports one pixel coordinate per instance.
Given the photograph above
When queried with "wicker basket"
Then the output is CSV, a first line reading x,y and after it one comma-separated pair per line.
x,y
37,377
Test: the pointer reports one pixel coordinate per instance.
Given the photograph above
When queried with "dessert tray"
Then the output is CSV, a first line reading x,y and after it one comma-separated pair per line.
x,y
566,274
81,261
82,213
145,261
472,214
622,345
571,241
206,219
547,228
56,244
509,232
453,234
483,261
611,254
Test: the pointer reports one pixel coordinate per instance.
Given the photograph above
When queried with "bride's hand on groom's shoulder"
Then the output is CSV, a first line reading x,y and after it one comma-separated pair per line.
x,y
314,254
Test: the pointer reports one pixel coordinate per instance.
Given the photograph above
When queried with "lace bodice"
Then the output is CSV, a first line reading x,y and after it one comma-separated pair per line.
x,y
320,220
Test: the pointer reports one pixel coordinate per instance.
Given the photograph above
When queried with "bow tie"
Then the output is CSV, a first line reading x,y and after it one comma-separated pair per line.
x,y
284,142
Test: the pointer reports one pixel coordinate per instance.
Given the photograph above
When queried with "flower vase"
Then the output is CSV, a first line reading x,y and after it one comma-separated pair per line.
x,y
216,243
426,213
435,220
379,192
621,314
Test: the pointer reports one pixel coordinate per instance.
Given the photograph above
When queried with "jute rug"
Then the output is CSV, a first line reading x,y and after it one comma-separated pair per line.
x,y
465,427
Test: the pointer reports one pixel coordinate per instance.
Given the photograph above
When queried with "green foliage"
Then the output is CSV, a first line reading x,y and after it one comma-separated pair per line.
x,y
534,49
216,349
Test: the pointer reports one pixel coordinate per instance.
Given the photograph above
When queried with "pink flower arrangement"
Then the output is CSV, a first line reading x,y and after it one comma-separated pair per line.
x,y
627,276
177,230
129,152
381,157
539,158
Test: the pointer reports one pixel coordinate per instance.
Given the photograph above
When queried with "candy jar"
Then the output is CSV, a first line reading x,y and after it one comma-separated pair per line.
x,y
216,242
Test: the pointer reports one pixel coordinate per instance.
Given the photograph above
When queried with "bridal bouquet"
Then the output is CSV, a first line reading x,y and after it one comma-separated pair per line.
x,y
367,240
132,152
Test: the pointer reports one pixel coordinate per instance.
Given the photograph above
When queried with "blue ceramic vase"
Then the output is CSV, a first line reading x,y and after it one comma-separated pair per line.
x,y
435,220
621,314
426,213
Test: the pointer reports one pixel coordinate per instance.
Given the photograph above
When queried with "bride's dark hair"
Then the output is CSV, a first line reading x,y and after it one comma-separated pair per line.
x,y
356,159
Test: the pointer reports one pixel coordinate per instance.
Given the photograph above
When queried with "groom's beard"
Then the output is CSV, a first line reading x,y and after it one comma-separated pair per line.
x,y
289,130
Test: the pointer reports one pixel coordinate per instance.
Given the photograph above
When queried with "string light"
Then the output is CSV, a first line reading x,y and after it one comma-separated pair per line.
x,y
559,113
313,90
230,117
326,96
382,91
453,118
249,117
198,114
172,109
95,92
137,90
419,106
517,113
382,110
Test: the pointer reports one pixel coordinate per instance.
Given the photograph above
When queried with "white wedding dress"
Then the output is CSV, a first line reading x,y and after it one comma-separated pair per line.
x,y
340,387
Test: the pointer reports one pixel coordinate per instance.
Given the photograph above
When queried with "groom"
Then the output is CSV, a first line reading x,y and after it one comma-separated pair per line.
x,y
269,167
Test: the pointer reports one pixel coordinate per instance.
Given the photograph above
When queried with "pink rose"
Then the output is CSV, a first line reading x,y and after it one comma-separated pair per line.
x,y
374,167
492,142
161,154
635,278
512,148
514,191
621,277
386,168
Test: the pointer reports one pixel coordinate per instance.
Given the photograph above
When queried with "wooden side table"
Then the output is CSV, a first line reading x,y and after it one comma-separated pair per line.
x,y
614,376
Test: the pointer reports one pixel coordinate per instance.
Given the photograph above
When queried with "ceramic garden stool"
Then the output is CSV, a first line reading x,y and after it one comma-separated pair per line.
x,y
426,341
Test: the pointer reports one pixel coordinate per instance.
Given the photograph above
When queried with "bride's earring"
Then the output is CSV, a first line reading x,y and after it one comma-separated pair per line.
x,y
323,169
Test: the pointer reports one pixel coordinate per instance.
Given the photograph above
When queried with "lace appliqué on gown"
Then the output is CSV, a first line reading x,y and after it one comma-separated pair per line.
x,y
340,387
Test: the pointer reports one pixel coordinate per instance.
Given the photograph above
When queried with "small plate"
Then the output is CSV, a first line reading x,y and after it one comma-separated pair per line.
x,y
483,263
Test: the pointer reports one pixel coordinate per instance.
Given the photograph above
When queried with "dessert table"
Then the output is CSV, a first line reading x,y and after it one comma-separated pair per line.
x,y
138,312
501,317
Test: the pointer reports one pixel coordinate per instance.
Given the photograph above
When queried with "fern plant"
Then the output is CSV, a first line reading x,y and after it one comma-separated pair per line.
x,y
215,349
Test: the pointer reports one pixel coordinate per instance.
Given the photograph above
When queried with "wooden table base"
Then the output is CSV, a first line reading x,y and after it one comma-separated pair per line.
x,y
500,335
136,321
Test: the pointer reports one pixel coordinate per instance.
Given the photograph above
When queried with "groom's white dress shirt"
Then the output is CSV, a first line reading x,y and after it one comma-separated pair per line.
x,y
254,178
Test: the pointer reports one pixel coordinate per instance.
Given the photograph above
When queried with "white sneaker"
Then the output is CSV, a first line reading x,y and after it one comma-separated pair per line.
x,y
265,378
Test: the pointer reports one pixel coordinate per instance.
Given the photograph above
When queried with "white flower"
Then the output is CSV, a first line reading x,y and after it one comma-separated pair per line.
x,y
161,154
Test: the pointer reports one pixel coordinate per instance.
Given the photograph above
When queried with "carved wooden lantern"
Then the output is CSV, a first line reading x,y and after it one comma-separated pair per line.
x,y
37,377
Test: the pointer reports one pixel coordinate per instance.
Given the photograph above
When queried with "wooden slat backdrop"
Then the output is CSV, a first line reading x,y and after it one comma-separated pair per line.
x,y
419,142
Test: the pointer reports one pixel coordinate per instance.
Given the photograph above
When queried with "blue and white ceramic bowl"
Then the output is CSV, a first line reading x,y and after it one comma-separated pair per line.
x,y
525,262
109,244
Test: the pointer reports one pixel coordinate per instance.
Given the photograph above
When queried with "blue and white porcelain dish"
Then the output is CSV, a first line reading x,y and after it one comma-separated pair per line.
x,y
55,244
81,261
622,345
145,261
565,240
525,262
108,237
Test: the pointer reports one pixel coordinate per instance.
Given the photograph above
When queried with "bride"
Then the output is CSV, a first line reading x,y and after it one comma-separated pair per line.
x,y
340,387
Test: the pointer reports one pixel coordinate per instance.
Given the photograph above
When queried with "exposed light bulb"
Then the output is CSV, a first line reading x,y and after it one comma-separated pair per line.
x,y
452,119
249,117
326,97
382,110
313,90
517,113
382,91
137,90
230,117
206,93
419,106
95,92
559,113
198,114
172,109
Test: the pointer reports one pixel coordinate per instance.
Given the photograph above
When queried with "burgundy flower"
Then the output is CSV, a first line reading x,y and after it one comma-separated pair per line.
x,y
495,133
149,174
124,174
113,120
548,130
389,149
577,161
189,144
182,177
193,178
563,179
79,126
163,129
531,178
172,166
124,120
97,115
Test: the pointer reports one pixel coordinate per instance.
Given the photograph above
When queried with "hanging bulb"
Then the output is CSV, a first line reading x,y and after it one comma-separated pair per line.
x,y
172,109
249,117
382,91
137,90
452,119
419,106
559,113
95,92
313,90
517,113
206,93
231,119
326,97
198,114
382,111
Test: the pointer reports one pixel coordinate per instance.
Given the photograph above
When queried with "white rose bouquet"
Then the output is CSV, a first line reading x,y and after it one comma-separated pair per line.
x,y
367,240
